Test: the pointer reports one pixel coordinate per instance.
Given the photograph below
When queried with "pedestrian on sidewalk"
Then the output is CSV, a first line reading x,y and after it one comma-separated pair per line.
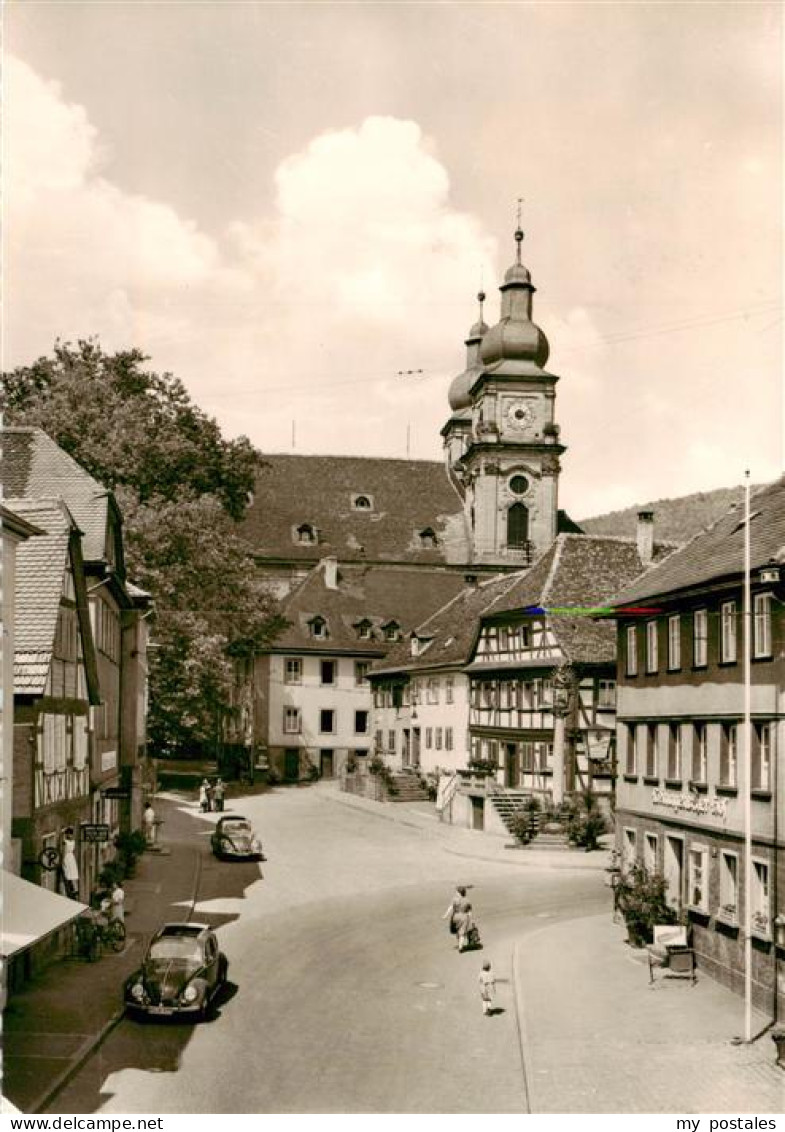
x,y
487,987
148,822
69,867
456,905
117,904
204,796
218,795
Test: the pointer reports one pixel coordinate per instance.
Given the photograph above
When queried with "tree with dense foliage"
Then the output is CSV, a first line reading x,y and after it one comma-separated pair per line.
x,y
181,488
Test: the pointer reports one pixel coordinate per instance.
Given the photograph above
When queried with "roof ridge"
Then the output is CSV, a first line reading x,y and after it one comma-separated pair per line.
x,y
344,456
559,544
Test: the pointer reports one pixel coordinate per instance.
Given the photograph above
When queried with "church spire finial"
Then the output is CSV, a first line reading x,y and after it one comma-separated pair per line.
x,y
480,300
518,233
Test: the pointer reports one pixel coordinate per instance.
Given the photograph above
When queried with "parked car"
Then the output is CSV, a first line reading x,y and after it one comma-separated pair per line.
x,y
234,839
182,972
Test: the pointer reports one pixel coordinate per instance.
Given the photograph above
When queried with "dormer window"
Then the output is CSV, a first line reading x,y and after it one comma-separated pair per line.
x,y
428,539
306,534
364,629
318,628
362,503
391,630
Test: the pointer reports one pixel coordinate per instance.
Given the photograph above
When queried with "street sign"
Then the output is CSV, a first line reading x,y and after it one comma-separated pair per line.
x,y
116,792
94,833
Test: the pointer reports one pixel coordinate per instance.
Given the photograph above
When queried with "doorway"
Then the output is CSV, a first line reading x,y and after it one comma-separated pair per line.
x,y
673,867
326,764
291,763
416,747
511,764
478,813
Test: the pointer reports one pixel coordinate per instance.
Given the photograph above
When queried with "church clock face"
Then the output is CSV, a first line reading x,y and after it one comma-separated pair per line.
x,y
519,414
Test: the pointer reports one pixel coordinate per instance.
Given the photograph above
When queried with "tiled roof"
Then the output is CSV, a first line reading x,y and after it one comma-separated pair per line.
x,y
718,552
452,629
34,466
583,571
40,568
379,594
407,497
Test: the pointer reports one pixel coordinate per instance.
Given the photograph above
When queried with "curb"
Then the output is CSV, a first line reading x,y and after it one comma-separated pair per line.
x,y
91,1044
519,1025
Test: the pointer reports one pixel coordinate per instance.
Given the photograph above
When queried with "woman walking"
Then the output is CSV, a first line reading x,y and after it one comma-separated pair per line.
x,y
457,904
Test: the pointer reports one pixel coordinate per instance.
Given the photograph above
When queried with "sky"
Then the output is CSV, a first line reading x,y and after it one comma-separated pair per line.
x,y
292,207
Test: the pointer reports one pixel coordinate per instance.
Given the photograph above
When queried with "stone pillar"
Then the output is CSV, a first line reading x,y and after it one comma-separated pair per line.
x,y
558,756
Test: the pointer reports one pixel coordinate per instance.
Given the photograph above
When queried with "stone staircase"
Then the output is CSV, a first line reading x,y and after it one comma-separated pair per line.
x,y
409,788
509,802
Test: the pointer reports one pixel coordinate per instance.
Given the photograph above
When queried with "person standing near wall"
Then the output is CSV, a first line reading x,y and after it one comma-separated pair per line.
x,y
70,869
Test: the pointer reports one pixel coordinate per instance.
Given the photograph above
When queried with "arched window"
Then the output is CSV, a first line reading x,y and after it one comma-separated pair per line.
x,y
306,533
518,525
362,503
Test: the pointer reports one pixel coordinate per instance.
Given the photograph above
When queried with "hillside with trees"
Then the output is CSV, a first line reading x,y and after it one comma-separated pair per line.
x,y
675,520
181,487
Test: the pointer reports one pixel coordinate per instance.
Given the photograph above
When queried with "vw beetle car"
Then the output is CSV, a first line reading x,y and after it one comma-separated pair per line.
x,y
182,972
234,839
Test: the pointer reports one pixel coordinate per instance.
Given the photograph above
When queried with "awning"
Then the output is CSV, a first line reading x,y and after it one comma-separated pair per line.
x,y
30,913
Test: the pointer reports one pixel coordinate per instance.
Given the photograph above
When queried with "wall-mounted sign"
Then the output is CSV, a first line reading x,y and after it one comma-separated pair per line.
x,y
116,792
690,803
598,744
94,833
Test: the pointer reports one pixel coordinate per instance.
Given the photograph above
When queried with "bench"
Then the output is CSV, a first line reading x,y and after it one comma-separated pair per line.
x,y
671,950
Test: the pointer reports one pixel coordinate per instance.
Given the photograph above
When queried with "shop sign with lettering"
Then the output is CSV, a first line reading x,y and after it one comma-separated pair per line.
x,y
690,803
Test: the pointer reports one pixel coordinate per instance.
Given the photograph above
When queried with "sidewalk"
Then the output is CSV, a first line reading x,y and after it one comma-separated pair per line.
x,y
462,842
52,1026
598,1039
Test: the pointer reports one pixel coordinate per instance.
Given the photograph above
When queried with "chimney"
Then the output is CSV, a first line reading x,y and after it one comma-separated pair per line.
x,y
330,573
645,536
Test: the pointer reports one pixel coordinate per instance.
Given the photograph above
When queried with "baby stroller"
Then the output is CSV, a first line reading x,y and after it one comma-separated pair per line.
x,y
473,941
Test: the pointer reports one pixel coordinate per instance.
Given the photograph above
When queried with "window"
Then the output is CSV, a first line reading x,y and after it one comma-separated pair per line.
x,y
306,534
361,671
518,525
438,738
650,852
699,752
606,694
427,539
728,632
362,503
432,690
761,621
519,485
697,878
651,646
674,752
391,631
652,750
318,627
632,650
364,629
327,721
361,722
291,721
700,640
448,738
729,886
729,754
629,849
630,765
328,671
428,738
761,757
760,906
448,689
390,740
379,740
674,642
293,670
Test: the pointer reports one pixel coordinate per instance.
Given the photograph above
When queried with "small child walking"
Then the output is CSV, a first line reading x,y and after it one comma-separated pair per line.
x,y
487,986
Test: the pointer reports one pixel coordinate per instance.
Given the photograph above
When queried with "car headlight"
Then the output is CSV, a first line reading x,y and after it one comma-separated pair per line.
x,y
137,991
190,994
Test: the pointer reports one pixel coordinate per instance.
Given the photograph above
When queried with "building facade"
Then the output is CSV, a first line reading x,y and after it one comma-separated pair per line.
x,y
683,775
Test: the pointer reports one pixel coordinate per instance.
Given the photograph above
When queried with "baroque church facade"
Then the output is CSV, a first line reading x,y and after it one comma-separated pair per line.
x,y
361,551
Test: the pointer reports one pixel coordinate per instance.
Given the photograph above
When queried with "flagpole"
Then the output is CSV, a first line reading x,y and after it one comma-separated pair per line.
x,y
747,779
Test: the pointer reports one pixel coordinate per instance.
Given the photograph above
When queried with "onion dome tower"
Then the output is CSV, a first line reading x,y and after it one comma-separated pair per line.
x,y
506,461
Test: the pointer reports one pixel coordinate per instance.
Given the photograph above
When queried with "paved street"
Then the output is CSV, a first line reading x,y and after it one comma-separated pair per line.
x,y
347,994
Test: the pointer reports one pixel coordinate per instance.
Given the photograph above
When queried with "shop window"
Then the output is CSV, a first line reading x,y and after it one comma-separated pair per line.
x,y
629,849
697,878
760,908
729,886
650,842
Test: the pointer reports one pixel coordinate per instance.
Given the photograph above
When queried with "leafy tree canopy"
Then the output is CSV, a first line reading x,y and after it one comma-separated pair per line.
x,y
129,426
181,487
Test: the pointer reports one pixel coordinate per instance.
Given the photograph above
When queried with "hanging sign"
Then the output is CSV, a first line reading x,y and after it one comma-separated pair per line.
x,y
94,833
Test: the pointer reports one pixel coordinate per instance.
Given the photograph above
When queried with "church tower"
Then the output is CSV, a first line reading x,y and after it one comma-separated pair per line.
x,y
501,442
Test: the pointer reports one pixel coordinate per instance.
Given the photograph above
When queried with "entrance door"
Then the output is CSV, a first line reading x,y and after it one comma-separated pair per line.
x,y
326,764
673,861
291,763
405,756
478,813
511,772
416,746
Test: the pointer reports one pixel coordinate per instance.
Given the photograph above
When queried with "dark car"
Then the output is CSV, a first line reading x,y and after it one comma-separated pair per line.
x,y
182,972
234,839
